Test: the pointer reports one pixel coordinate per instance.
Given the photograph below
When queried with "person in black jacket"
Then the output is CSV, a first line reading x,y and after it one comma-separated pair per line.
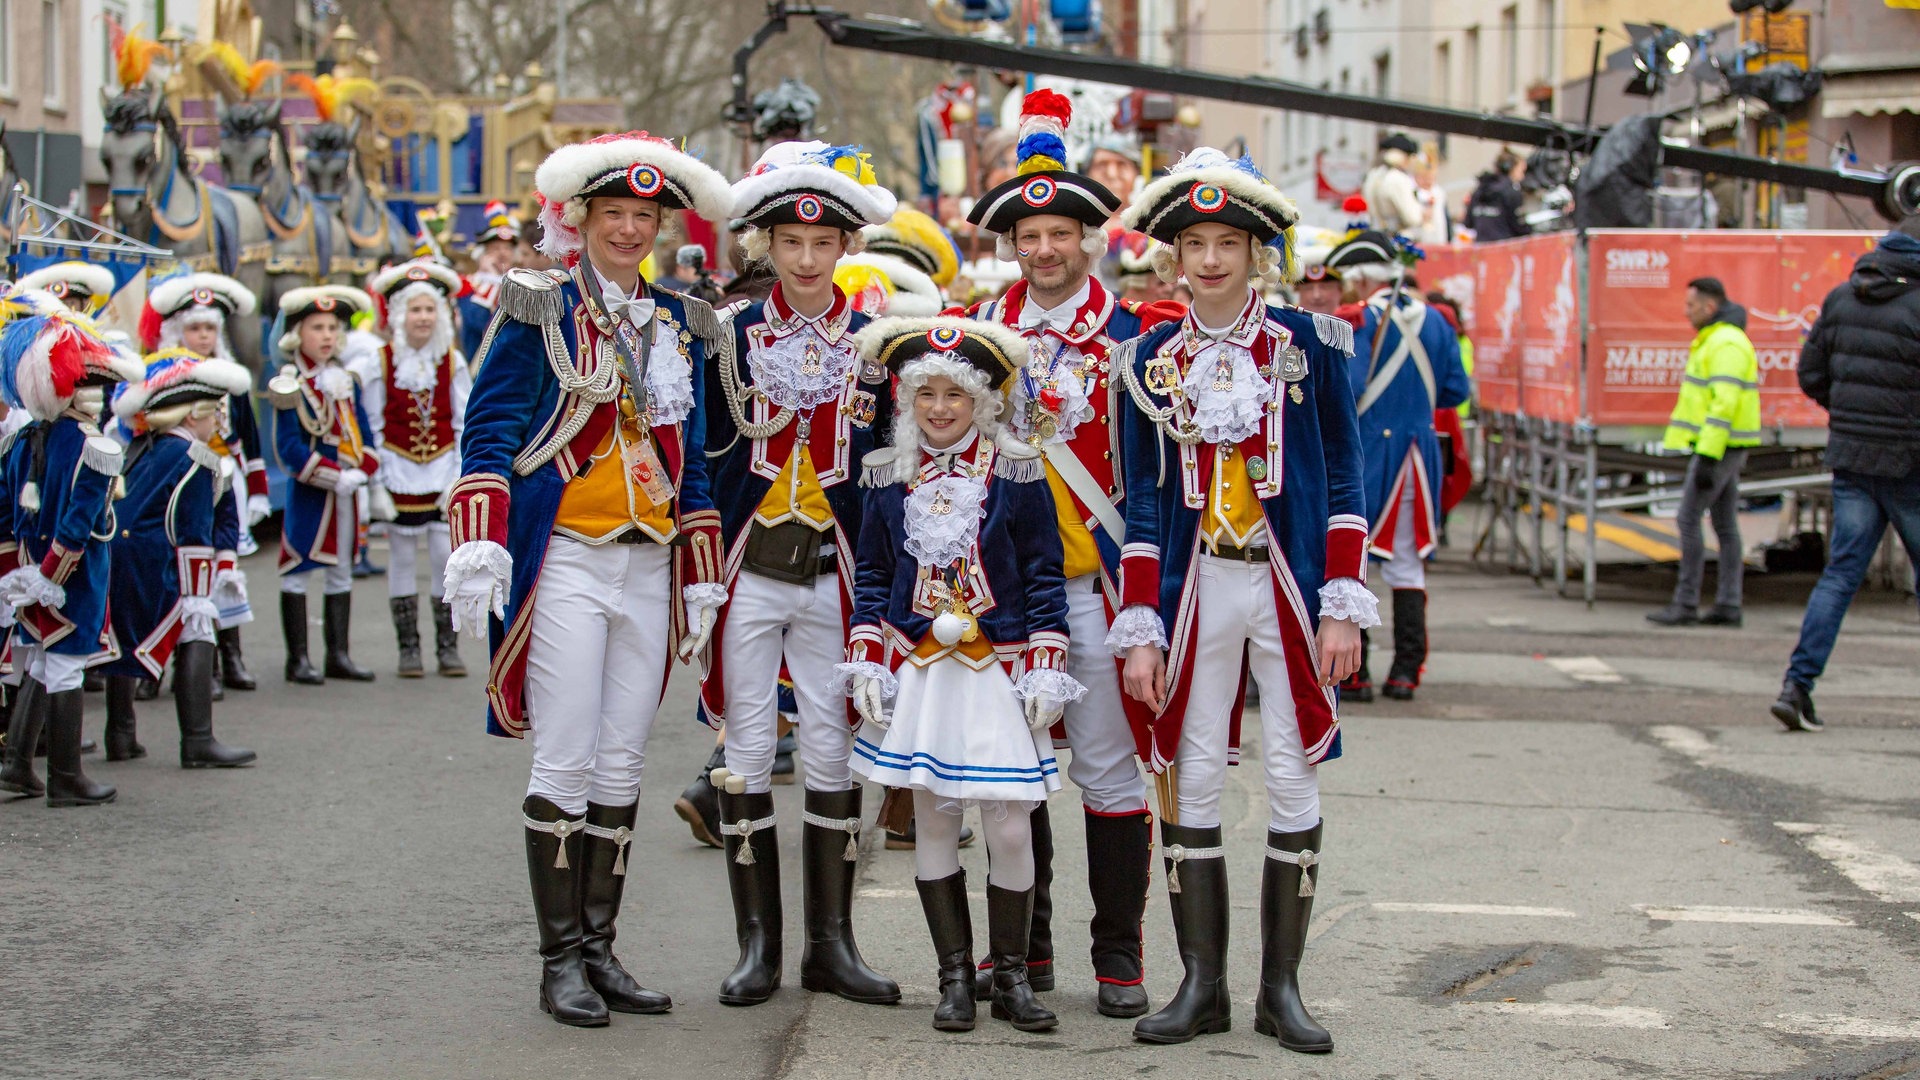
x,y
1862,363
1493,210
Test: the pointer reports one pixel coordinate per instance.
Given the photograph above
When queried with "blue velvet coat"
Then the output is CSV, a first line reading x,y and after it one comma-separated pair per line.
x,y
1310,495
308,540
514,466
1396,431
177,518
69,531
1017,589
841,432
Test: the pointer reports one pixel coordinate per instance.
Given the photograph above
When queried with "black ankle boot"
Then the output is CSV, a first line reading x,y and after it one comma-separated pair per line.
x,y
1119,854
1040,937
67,785
1009,923
120,740
27,716
1409,643
609,833
831,962
336,618
193,705
556,864
233,663
406,628
699,805
446,642
1286,905
945,904
146,689
293,627
753,876
1197,890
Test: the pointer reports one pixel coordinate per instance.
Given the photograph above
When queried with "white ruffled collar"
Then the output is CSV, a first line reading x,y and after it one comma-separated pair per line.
x,y
945,504
808,362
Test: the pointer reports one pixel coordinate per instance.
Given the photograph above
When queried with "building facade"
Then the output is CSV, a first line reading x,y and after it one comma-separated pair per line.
x,y
41,93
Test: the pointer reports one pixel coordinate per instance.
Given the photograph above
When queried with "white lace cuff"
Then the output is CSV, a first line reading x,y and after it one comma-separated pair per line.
x,y
197,615
704,596
474,559
1050,684
1137,624
845,675
1345,598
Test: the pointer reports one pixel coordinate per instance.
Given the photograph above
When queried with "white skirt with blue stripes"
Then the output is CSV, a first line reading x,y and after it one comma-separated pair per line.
x,y
960,734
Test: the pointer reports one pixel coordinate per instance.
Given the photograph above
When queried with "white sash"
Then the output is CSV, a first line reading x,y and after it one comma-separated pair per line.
x,y
1409,347
1081,483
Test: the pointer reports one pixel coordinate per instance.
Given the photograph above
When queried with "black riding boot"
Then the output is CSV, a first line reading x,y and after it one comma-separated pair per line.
x,y
1359,685
945,904
609,832
753,874
406,628
556,864
831,962
27,716
120,740
1409,643
446,642
336,619
1009,924
67,785
233,664
1119,854
193,704
1286,905
1040,939
699,805
1197,890
293,627
146,689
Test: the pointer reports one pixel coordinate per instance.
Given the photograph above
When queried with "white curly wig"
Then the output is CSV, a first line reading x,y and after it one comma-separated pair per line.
x,y
914,374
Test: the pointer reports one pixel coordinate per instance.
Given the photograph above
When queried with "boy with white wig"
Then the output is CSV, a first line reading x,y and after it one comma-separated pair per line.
x,y
801,409
321,433
417,407
193,310
173,553
1245,551
960,620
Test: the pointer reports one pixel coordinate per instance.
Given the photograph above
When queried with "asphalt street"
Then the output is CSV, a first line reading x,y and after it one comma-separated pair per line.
x,y
1585,851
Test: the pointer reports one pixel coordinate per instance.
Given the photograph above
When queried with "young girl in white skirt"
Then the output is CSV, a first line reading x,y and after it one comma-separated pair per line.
x,y
958,643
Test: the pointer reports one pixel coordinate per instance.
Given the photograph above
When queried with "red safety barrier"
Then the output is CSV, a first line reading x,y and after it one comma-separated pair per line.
x,y
1520,301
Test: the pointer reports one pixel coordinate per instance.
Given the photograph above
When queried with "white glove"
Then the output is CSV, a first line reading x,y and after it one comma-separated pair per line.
x,y
26,586
479,575
1043,711
229,589
6,615
699,628
350,481
867,701
197,615
258,507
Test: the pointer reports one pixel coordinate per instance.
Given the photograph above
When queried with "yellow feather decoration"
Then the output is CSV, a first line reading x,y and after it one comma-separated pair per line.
x,y
134,55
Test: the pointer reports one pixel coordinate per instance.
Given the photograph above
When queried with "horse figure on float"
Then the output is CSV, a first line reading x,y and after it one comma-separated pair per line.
x,y
373,236
156,198
259,169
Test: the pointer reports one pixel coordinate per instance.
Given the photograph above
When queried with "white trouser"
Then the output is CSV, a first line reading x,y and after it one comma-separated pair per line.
x,y
1103,766
339,576
596,664
55,672
768,621
1236,609
402,550
1406,570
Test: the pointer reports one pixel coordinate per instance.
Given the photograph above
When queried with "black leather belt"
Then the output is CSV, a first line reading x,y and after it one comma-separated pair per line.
x,y
634,536
1240,554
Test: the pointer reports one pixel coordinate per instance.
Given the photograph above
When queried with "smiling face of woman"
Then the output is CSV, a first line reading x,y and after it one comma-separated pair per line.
x,y
944,411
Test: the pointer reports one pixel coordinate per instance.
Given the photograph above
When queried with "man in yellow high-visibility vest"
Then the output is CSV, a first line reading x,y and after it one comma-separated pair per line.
x,y
1717,418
